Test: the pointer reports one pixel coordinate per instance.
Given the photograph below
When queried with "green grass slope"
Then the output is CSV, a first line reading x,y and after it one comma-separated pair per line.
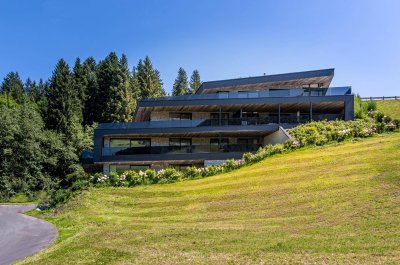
x,y
330,205
389,107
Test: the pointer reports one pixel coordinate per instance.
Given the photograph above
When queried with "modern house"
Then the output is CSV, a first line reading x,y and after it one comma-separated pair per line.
x,y
222,120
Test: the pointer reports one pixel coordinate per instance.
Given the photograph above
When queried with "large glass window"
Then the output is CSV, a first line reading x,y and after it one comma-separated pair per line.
x,y
120,142
130,143
138,168
119,168
180,141
124,167
180,116
217,143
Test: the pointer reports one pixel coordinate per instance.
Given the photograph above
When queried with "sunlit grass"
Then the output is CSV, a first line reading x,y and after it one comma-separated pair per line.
x,y
389,107
337,204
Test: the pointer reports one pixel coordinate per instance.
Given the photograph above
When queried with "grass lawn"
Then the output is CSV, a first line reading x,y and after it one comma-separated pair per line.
x,y
327,205
389,107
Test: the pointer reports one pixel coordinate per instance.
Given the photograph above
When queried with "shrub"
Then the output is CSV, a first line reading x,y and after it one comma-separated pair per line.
x,y
79,185
151,176
370,105
193,172
60,196
169,175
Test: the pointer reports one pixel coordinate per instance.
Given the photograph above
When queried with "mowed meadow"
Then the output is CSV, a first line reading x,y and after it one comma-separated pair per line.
x,y
338,204
389,107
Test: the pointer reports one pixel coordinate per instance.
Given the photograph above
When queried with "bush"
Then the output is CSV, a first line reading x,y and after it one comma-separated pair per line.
x,y
169,175
192,173
132,178
371,105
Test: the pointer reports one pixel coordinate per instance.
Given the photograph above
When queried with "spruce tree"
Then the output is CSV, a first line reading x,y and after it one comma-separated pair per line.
x,y
80,82
63,109
93,102
149,81
115,92
13,87
181,86
195,81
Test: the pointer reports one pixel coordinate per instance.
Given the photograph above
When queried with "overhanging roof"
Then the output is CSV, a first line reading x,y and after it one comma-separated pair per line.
x,y
287,80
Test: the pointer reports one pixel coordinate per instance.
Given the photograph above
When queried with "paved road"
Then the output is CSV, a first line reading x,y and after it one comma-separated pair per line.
x,y
21,235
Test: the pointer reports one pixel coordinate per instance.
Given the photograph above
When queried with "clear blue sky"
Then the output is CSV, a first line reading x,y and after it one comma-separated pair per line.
x,y
222,39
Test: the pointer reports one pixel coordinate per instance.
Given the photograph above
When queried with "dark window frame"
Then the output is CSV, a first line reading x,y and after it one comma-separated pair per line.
x,y
180,115
180,141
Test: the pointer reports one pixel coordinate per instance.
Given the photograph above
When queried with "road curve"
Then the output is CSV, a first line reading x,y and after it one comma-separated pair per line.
x,y
21,235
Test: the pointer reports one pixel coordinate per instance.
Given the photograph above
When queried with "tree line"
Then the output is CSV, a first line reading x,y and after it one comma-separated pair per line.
x,y
45,125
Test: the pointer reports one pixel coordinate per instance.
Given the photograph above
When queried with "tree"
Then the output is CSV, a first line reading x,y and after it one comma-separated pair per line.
x,y
21,162
63,108
13,87
32,90
80,82
115,92
181,86
149,81
93,103
195,81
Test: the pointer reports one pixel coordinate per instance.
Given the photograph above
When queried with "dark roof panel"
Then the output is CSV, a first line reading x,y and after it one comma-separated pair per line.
x,y
265,79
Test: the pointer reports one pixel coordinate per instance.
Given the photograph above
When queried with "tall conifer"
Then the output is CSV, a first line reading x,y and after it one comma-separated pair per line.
x,y
195,81
181,86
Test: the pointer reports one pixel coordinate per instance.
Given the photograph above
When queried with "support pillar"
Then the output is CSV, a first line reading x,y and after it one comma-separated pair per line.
x,y
311,111
279,113
220,116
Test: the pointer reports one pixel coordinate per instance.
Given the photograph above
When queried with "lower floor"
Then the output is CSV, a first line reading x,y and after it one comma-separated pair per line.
x,y
139,153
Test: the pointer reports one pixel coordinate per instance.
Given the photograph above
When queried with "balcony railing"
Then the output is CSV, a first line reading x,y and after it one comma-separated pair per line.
x,y
290,92
241,148
216,122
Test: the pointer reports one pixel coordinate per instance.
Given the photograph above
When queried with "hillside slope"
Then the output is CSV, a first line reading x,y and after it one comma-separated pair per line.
x,y
336,205
389,107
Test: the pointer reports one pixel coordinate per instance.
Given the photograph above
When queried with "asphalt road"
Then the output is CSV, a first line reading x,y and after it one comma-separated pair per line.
x,y
21,235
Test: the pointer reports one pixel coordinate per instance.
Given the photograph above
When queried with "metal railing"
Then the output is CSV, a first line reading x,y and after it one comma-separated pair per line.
x,y
284,118
289,92
112,151
380,98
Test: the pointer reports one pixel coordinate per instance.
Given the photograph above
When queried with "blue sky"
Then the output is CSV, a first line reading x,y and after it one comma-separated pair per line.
x,y
222,39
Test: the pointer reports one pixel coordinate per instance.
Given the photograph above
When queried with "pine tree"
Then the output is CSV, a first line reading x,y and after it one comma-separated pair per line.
x,y
195,81
63,110
124,103
181,86
93,102
115,92
31,89
13,87
80,82
149,81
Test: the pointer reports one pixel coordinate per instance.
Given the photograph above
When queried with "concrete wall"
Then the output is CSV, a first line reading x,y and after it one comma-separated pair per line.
x,y
278,137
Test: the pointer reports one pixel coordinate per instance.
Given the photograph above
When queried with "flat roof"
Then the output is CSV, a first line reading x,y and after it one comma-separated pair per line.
x,y
267,79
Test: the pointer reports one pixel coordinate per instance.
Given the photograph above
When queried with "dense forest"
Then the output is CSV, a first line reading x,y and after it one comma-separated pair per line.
x,y
45,125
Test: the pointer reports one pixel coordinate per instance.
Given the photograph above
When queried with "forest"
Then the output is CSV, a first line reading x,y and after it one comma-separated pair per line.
x,y
45,125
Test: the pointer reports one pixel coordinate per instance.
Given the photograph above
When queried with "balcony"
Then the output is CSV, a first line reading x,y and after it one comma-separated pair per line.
x,y
191,149
217,122
293,92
